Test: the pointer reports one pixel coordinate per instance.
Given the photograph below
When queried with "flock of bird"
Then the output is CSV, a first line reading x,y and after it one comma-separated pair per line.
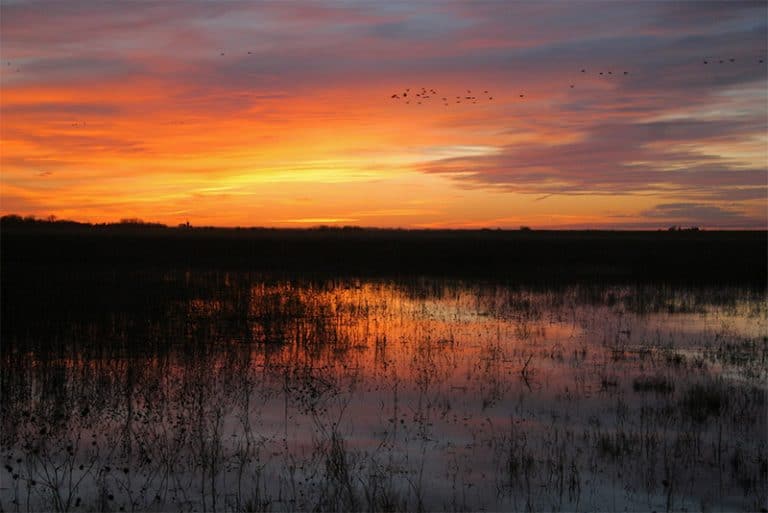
x,y
732,59
418,96
425,95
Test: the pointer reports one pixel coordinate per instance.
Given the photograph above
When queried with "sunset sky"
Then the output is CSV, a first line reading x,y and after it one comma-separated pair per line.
x,y
280,113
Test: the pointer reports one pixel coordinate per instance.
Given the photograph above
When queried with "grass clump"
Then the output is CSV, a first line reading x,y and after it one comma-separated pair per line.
x,y
702,401
657,384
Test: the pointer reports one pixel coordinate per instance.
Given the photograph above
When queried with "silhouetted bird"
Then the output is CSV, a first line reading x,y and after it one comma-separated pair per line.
x,y
626,72
583,71
522,95
571,86
732,60
395,96
706,62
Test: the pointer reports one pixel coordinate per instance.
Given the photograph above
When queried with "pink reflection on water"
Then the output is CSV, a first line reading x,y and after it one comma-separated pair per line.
x,y
445,387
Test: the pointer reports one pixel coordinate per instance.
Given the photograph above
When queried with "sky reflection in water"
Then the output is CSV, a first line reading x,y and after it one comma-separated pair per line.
x,y
366,395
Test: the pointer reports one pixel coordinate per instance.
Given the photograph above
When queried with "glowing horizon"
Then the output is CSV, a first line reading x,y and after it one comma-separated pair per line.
x,y
280,114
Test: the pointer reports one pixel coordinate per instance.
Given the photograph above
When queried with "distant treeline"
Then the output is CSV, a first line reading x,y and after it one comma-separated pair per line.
x,y
12,221
524,256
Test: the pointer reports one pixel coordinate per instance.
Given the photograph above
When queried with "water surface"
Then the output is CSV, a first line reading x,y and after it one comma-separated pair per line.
x,y
223,391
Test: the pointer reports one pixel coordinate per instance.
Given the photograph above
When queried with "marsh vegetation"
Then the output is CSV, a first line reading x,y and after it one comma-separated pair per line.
x,y
234,391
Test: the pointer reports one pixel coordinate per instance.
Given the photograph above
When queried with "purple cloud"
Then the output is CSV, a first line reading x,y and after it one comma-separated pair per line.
x,y
674,127
701,214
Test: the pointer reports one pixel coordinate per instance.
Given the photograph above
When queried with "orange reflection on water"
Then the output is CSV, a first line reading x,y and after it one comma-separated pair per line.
x,y
410,379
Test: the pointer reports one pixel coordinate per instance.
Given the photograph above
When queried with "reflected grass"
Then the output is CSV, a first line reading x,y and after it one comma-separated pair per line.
x,y
227,391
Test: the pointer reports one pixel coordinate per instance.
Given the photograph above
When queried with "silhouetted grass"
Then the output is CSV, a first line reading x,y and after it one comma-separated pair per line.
x,y
549,257
702,401
658,384
153,389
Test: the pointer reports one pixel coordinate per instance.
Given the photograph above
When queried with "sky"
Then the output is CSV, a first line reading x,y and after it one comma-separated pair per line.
x,y
281,113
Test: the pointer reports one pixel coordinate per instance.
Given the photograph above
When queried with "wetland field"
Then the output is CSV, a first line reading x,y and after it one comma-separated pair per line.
x,y
191,387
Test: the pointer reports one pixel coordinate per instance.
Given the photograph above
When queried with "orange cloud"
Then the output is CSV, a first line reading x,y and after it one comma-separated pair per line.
x,y
220,114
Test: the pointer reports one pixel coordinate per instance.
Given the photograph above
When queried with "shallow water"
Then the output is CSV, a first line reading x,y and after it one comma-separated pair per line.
x,y
222,391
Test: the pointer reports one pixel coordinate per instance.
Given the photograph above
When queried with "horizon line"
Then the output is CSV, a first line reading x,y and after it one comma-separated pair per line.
x,y
137,222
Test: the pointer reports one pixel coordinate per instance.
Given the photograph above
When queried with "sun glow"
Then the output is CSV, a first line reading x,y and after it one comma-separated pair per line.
x,y
167,123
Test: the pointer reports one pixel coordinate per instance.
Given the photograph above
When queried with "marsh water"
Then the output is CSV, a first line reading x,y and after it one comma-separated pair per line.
x,y
216,391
